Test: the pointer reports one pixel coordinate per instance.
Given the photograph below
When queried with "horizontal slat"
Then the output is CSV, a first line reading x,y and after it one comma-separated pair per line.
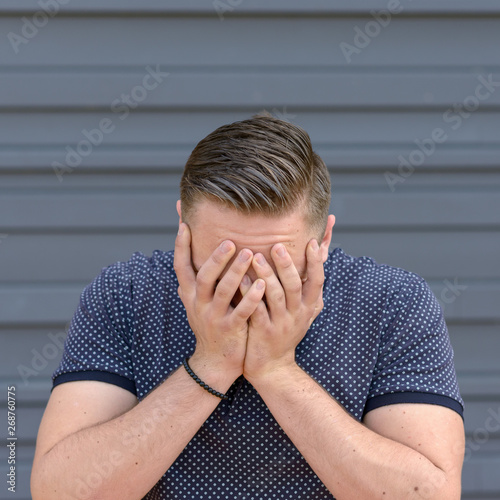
x,y
29,418
388,89
74,210
450,256
34,391
156,209
478,417
476,352
281,41
426,208
25,451
38,304
126,159
21,255
256,7
481,475
476,302
23,473
29,358
485,387
363,130
476,348
343,179
49,304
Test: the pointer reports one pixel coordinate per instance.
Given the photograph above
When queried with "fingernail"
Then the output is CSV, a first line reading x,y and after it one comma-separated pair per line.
x,y
314,245
181,229
260,284
246,280
260,259
245,255
225,247
280,250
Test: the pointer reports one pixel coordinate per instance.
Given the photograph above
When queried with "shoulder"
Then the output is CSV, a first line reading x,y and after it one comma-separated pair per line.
x,y
135,278
157,266
343,271
141,268
375,290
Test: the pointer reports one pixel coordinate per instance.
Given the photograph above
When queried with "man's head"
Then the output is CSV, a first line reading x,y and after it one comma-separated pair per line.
x,y
260,166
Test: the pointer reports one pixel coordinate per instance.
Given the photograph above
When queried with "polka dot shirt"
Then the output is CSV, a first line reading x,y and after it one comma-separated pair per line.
x,y
380,339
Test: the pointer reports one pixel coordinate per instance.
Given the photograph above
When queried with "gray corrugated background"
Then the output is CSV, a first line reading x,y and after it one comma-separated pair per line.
x,y
412,76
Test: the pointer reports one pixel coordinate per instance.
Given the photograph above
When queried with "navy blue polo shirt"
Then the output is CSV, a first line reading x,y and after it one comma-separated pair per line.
x,y
380,339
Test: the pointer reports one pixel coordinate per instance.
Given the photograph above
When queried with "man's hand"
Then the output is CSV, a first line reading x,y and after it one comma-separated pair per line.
x,y
276,330
220,328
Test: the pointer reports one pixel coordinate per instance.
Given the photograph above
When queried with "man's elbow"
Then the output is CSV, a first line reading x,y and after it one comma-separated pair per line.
x,y
440,487
43,484
43,487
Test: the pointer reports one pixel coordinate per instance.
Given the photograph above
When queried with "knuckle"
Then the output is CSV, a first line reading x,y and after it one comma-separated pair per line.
x,y
201,279
287,264
278,297
268,272
235,273
217,258
295,287
319,281
240,314
223,292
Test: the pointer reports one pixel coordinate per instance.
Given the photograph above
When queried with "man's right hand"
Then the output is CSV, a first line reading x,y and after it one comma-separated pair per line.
x,y
220,328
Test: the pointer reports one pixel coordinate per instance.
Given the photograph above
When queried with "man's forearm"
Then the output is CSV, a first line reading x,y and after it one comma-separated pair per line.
x,y
124,457
352,461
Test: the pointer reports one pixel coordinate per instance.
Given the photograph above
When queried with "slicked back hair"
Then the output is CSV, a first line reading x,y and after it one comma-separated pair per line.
x,y
262,165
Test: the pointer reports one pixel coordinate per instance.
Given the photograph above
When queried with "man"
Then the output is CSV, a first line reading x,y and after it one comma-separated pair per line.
x,y
263,366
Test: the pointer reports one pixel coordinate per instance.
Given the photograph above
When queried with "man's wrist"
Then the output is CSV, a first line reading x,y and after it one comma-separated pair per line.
x,y
277,374
213,373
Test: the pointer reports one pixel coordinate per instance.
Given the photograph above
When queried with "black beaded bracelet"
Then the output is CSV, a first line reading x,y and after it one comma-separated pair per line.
x,y
200,382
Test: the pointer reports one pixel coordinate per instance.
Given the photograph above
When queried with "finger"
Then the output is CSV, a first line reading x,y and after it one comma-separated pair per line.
x,y
250,301
231,281
245,285
260,317
312,289
182,260
211,270
275,295
288,276
318,307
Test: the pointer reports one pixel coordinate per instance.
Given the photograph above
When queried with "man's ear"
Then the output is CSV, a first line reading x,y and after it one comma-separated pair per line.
x,y
327,237
179,211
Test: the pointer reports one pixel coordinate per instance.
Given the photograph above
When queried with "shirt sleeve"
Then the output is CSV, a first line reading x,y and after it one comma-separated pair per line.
x,y
98,344
415,360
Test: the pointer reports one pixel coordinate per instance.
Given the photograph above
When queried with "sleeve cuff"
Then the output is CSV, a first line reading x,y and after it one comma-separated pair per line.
x,y
99,376
413,397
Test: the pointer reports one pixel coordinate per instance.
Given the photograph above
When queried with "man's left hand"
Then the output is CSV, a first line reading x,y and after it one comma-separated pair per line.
x,y
281,321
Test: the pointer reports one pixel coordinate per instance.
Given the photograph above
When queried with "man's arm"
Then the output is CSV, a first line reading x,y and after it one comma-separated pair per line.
x,y
404,451
96,441
408,451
